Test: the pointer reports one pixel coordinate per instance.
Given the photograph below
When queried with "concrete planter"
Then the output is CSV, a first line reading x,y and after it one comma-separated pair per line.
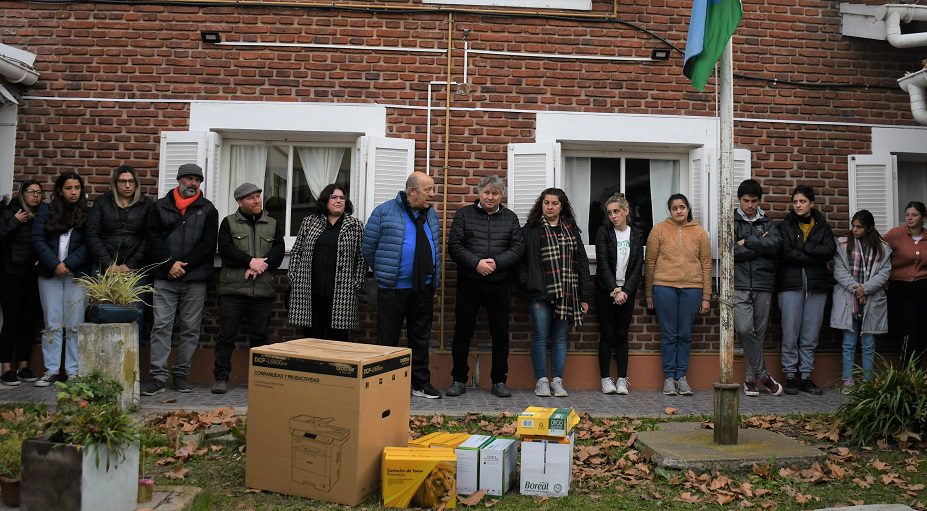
x,y
112,349
68,477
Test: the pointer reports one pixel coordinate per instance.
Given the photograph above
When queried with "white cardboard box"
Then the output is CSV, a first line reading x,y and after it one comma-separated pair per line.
x,y
546,467
498,460
468,463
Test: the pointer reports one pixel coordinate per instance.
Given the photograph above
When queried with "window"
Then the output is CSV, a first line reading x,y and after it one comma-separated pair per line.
x,y
912,182
291,175
646,183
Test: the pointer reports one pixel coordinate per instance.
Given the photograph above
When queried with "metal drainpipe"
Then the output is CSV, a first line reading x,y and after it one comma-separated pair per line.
x,y
447,147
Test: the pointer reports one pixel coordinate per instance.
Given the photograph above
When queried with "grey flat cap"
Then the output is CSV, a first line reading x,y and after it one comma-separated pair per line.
x,y
190,169
245,190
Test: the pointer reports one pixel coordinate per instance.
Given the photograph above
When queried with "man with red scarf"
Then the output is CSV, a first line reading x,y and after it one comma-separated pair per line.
x,y
182,231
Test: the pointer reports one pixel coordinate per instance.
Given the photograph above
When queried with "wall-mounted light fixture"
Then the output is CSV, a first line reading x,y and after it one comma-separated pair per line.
x,y
660,54
211,37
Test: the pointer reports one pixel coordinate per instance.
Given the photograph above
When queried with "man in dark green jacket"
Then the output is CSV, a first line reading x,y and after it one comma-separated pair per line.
x,y
251,248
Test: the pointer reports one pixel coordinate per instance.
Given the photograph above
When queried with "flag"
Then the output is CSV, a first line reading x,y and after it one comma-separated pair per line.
x,y
712,25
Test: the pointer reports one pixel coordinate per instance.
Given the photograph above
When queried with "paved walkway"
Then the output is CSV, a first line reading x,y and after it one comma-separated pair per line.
x,y
637,404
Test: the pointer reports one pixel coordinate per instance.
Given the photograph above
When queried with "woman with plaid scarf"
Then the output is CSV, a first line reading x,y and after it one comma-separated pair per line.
x,y
862,266
555,273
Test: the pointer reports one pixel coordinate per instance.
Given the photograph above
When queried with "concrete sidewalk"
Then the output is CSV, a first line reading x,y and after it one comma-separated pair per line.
x,y
637,404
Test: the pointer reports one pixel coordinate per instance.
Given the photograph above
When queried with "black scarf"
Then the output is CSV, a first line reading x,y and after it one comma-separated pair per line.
x,y
423,263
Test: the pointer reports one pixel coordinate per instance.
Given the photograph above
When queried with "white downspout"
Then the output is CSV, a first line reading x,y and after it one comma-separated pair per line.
x,y
894,15
914,84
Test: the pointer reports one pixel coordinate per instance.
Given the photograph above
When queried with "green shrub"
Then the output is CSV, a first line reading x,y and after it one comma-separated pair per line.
x,y
892,404
116,287
11,447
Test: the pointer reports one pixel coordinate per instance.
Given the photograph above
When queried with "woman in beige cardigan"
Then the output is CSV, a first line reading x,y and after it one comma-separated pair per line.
x,y
678,285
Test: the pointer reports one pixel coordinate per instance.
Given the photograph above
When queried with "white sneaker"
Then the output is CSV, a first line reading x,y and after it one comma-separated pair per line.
x,y
669,387
621,386
542,388
608,386
557,386
683,386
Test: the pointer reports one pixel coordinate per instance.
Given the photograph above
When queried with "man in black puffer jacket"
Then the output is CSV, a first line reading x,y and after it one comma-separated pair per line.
x,y
756,246
486,243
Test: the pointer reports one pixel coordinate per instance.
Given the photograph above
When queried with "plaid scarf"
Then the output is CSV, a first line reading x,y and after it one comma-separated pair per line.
x,y
560,280
861,266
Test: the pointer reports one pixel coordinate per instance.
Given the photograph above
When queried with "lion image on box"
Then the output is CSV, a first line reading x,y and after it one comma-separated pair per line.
x,y
317,450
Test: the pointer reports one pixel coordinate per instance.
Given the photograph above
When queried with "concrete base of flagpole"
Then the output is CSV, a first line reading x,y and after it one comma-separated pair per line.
x,y
727,413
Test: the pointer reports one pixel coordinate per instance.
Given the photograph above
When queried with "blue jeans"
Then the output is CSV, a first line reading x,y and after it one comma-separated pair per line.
x,y
867,342
545,326
676,309
63,304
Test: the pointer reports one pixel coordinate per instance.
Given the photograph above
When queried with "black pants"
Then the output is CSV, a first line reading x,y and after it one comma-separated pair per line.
x,y
20,301
496,296
322,321
907,317
416,310
232,308
614,321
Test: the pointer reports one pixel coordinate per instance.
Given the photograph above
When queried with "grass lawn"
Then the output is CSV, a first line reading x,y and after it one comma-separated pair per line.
x,y
608,473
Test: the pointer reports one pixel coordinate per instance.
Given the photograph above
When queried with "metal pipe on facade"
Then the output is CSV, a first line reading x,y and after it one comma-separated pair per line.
x,y
570,56
331,46
447,147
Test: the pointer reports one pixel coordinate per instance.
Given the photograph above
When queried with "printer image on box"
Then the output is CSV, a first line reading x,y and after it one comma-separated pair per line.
x,y
316,450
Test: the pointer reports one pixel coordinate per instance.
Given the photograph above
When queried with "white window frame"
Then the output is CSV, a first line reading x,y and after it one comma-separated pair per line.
x,y
873,178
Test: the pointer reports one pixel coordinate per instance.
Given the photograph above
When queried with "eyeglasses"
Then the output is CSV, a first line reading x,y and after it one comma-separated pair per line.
x,y
338,197
126,181
33,192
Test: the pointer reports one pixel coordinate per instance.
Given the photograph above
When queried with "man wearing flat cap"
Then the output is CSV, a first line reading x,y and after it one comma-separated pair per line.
x,y
181,244
251,247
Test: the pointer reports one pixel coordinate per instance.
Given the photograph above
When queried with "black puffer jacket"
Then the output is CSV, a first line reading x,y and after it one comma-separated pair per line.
x,y
190,238
18,253
805,261
477,235
606,256
531,266
115,234
755,261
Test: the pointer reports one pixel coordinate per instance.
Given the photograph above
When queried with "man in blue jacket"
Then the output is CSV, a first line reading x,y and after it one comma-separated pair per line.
x,y
401,244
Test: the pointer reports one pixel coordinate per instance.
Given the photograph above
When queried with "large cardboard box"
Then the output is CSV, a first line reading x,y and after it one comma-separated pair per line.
x,y
416,477
319,415
546,467
498,460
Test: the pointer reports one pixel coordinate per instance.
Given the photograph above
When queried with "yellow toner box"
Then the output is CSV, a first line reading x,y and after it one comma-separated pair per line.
x,y
425,441
451,440
415,477
538,421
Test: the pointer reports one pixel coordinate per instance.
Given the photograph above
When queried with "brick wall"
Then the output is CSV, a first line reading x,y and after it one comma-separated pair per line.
x,y
144,55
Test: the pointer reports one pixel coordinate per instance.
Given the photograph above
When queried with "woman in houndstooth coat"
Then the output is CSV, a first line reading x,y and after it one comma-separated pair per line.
x,y
327,269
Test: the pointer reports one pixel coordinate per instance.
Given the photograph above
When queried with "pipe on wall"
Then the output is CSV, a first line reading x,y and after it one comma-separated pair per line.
x,y
895,15
14,71
915,84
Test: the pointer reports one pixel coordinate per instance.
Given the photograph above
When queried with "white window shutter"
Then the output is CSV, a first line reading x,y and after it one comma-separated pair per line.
x,y
872,187
699,172
213,159
742,170
389,163
530,172
177,148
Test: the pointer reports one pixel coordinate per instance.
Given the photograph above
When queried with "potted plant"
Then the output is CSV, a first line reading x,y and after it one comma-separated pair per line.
x,y
113,294
87,457
10,465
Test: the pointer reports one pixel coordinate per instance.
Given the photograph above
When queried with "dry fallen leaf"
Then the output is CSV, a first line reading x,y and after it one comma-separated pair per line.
x,y
880,465
177,473
687,497
472,499
669,410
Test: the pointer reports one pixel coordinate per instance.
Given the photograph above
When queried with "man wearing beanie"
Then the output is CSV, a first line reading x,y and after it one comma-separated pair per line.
x,y
181,244
251,247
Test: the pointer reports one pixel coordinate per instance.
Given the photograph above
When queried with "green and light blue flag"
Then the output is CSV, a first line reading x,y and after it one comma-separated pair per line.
x,y
712,25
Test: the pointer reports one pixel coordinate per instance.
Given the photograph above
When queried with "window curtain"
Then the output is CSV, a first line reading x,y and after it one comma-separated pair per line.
x,y
248,165
578,176
320,166
663,177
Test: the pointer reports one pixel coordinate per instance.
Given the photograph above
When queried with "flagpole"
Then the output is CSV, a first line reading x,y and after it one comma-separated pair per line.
x,y
727,393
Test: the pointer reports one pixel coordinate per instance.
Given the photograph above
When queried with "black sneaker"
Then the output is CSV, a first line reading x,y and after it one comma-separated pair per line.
x,y
182,385
25,374
456,389
220,387
791,385
806,385
47,379
500,390
9,378
153,387
427,391
750,389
